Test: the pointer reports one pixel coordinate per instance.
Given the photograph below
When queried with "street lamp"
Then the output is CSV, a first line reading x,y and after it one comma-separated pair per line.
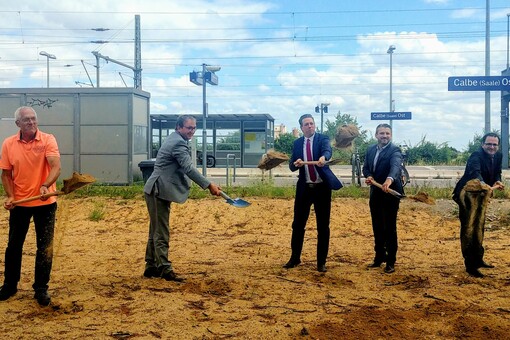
x,y
207,75
48,57
507,39
322,109
390,52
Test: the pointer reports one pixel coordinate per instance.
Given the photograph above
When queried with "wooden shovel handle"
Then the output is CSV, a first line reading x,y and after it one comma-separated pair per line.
x,y
390,191
34,198
330,162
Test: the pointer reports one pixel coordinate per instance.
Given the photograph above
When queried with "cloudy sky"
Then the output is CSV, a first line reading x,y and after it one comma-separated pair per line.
x,y
277,57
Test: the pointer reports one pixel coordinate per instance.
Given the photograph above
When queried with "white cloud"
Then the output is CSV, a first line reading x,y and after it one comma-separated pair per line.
x,y
264,70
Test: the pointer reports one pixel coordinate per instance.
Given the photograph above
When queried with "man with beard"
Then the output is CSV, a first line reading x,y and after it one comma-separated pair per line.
x,y
383,165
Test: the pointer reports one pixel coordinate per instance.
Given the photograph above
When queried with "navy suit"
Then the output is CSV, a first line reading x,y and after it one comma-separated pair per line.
x,y
317,194
384,207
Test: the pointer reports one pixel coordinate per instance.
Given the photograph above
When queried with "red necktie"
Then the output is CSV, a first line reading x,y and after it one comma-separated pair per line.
x,y
311,168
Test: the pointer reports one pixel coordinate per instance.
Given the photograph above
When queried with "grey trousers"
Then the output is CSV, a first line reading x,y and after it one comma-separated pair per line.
x,y
156,253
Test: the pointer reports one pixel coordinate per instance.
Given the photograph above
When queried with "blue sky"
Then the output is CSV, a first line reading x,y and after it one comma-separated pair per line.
x,y
277,57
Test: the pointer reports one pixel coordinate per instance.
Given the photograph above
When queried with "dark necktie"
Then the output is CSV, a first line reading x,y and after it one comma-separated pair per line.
x,y
492,175
377,152
311,168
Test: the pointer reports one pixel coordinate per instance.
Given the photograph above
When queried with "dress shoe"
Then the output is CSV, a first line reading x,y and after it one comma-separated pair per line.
x,y
291,264
375,264
171,276
7,291
42,297
474,272
321,268
485,265
390,268
151,272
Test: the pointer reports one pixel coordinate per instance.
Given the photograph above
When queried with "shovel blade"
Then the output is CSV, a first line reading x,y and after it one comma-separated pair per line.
x,y
239,203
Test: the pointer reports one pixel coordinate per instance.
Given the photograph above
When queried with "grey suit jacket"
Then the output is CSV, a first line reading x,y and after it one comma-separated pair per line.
x,y
173,171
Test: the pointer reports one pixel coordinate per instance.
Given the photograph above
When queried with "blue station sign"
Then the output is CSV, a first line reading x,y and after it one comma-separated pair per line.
x,y
489,83
390,115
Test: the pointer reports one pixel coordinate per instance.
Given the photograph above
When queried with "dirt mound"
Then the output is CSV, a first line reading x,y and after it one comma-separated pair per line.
x,y
235,286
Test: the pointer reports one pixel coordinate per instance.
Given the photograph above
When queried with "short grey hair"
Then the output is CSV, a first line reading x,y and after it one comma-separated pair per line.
x,y
17,113
182,119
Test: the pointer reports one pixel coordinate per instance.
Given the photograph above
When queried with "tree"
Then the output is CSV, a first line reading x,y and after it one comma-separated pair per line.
x,y
426,152
284,143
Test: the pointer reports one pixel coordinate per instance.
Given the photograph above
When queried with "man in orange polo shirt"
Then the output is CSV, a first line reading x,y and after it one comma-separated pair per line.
x,y
30,163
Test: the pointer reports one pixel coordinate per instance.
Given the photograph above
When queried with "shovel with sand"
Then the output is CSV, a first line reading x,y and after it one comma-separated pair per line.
x,y
70,184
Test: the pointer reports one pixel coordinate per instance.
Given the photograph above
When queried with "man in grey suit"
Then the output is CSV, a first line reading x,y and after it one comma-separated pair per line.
x,y
170,182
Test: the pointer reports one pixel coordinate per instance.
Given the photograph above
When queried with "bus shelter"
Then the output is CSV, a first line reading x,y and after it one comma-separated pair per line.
x,y
239,138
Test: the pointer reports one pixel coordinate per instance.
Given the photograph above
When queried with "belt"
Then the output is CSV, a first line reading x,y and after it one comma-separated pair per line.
x,y
313,185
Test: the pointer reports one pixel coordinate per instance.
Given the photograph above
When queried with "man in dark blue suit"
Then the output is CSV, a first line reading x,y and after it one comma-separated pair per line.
x,y
383,165
484,165
314,186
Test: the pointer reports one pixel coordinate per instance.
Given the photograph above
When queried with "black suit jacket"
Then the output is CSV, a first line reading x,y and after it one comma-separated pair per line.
x,y
321,147
388,165
479,166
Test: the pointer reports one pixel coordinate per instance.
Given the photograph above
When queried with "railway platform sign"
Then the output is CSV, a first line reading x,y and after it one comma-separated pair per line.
x,y
390,115
479,83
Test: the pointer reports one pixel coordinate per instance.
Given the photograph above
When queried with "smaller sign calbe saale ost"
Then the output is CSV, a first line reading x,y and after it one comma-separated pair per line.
x,y
390,115
489,83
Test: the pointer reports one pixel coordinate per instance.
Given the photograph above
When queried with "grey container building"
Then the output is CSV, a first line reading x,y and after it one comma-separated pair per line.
x,y
103,132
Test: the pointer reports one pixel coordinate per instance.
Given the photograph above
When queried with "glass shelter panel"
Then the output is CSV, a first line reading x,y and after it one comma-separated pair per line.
x,y
228,142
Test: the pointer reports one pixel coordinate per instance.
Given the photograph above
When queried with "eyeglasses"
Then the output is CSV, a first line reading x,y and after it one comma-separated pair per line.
x,y
491,144
28,119
190,128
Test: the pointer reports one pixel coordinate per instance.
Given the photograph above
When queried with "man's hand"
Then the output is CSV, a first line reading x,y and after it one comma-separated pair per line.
x,y
44,190
298,163
214,189
386,184
8,203
321,162
369,180
498,185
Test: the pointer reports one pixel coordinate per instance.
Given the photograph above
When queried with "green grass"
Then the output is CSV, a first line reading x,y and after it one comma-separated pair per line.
x,y
98,213
258,188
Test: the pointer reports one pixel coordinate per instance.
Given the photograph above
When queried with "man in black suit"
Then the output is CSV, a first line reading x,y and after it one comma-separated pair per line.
x,y
314,186
383,165
484,165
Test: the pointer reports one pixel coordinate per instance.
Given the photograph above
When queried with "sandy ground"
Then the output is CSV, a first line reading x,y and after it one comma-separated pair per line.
x,y
236,287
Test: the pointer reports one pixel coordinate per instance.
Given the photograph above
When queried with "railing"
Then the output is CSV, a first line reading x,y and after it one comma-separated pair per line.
x,y
229,157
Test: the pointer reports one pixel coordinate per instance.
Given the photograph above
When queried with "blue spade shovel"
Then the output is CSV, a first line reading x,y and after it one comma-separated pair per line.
x,y
239,203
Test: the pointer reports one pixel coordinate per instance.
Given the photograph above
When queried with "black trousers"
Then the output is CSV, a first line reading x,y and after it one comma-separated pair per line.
x,y
384,210
19,222
320,197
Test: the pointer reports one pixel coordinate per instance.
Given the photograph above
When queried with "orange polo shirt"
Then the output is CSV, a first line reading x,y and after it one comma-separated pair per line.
x,y
27,161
